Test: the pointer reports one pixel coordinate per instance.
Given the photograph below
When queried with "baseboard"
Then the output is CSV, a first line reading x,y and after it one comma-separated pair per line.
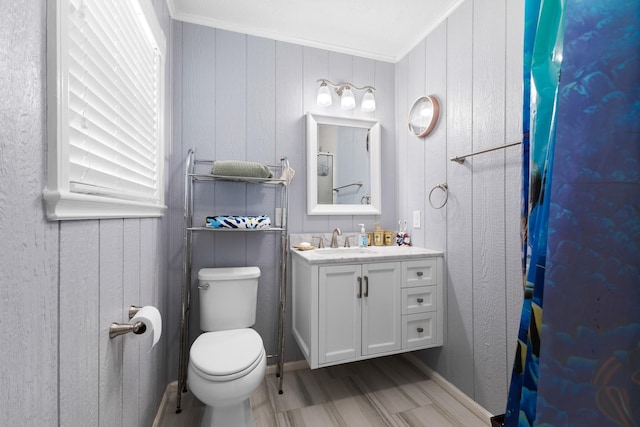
x,y
465,400
288,366
171,387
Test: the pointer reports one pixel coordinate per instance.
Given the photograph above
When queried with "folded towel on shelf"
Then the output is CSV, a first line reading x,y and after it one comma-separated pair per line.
x,y
236,221
241,168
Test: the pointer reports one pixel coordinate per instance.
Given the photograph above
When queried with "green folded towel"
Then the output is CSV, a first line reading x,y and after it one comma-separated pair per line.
x,y
240,168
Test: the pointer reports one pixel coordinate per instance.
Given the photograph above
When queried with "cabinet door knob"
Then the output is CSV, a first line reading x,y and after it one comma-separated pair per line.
x,y
420,330
420,300
419,273
359,287
366,288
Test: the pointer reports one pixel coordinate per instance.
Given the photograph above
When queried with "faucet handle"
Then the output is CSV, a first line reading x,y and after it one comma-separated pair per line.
x,y
320,241
346,241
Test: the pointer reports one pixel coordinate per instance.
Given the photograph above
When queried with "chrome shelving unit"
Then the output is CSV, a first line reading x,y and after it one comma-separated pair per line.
x,y
199,171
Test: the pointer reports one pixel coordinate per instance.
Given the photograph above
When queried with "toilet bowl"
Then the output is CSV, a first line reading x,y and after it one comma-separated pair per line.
x,y
227,365
224,369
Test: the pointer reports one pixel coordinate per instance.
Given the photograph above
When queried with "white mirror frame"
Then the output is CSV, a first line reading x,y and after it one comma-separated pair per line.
x,y
313,208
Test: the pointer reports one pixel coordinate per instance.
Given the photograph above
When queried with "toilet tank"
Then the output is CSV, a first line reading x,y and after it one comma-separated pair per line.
x,y
228,297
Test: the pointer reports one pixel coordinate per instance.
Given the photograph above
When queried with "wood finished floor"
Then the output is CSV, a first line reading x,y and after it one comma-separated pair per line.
x,y
388,391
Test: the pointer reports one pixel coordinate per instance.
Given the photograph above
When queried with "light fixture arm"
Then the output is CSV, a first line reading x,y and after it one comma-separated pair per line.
x,y
341,86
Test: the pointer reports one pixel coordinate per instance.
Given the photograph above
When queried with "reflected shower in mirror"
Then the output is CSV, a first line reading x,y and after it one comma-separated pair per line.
x,y
343,165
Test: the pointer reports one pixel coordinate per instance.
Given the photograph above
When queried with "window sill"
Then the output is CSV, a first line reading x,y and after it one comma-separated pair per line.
x,y
71,206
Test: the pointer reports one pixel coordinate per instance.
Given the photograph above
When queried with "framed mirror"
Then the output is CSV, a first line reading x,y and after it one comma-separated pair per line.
x,y
343,166
423,116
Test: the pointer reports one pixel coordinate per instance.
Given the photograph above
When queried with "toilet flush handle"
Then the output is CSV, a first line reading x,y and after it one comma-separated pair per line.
x,y
203,286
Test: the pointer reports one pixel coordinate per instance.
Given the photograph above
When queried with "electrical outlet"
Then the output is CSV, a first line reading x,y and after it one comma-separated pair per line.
x,y
416,219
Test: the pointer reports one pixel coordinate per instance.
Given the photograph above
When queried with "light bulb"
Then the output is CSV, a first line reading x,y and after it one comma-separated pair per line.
x,y
324,95
347,100
368,102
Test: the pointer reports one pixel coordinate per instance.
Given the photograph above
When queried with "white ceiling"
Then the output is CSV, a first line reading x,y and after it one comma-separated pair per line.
x,y
385,30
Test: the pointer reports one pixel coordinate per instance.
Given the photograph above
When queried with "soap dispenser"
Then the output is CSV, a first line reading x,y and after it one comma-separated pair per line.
x,y
378,235
362,237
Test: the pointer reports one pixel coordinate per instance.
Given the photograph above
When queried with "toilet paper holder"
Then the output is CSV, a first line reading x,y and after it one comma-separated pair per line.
x,y
116,329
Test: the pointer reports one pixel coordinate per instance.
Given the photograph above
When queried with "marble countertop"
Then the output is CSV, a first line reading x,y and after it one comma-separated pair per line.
x,y
370,253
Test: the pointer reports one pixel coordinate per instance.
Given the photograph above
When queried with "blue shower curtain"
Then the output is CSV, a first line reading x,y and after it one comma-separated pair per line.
x,y
578,349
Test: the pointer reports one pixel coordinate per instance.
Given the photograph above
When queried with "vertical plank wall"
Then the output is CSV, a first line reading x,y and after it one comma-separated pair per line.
x,y
245,98
28,244
472,63
63,283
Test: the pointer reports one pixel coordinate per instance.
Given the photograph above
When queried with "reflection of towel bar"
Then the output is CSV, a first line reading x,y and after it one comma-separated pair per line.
x,y
359,184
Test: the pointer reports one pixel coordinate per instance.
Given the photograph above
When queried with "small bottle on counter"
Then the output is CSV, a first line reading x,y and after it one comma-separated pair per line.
x,y
378,235
362,237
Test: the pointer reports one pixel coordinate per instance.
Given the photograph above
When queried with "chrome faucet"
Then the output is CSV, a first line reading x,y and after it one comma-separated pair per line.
x,y
320,241
334,237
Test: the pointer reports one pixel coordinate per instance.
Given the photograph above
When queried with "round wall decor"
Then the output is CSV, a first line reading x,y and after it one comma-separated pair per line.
x,y
423,116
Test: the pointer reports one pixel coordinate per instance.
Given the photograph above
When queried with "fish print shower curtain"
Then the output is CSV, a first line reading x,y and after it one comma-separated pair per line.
x,y
578,350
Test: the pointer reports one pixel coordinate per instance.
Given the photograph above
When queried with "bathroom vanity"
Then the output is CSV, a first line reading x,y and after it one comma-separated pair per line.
x,y
352,304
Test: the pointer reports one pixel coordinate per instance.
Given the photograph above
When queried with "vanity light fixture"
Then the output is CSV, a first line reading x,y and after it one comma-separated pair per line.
x,y
347,100
324,95
368,102
345,92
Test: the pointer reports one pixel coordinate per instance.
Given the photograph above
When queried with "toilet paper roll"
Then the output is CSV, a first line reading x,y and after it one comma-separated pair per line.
x,y
150,316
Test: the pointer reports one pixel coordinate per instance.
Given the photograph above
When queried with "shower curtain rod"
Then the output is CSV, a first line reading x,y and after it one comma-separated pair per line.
x,y
460,159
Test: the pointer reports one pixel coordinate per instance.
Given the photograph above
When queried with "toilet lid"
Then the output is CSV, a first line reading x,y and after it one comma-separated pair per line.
x,y
225,353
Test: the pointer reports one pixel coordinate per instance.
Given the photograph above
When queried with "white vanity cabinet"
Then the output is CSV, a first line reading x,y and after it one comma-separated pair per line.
x,y
357,307
358,311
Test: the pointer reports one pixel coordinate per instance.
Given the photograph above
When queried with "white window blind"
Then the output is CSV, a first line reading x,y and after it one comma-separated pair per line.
x,y
109,111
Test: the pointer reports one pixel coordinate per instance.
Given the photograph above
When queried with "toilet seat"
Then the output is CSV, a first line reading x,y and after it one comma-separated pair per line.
x,y
226,355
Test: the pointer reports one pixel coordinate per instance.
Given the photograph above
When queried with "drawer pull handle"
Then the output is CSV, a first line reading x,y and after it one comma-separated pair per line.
x,y
420,330
366,288
419,273
359,287
420,300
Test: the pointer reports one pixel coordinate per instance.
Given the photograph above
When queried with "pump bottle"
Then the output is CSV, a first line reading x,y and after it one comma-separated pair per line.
x,y
362,237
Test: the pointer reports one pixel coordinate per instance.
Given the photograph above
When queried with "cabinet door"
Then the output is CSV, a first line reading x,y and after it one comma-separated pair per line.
x,y
339,313
381,308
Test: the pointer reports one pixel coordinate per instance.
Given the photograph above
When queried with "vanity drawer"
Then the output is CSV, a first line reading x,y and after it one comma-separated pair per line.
x,y
420,273
419,330
420,299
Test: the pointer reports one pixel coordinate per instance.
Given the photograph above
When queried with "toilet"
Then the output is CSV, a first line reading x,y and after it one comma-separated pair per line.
x,y
228,361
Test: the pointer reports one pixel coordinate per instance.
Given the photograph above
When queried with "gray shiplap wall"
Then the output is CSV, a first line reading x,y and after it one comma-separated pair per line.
x,y
63,283
245,98
473,63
